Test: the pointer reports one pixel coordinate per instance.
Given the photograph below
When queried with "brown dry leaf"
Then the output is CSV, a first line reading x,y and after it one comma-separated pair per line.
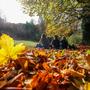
x,y
23,63
88,59
3,83
38,81
75,73
28,84
15,80
46,66
32,62
77,83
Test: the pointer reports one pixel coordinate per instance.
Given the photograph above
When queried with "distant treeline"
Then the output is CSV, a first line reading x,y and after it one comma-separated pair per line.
x,y
27,31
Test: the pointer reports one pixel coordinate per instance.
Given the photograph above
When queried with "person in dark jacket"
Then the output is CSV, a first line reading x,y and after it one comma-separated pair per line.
x,y
56,42
64,43
44,41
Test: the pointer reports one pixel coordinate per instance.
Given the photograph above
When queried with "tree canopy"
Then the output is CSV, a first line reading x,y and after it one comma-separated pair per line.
x,y
60,16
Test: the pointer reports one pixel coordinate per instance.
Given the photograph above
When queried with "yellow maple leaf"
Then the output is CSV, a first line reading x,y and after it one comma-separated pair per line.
x,y
8,50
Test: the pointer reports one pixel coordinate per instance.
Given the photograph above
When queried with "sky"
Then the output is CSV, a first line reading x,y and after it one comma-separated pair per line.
x,y
12,11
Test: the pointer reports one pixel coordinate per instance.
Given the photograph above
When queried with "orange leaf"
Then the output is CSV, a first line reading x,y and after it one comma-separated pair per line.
x,y
26,64
46,66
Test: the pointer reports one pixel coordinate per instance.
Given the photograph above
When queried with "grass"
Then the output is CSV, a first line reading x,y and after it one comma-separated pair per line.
x,y
27,43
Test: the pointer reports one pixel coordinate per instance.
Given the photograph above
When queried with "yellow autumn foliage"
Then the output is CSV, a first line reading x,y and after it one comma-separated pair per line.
x,y
8,49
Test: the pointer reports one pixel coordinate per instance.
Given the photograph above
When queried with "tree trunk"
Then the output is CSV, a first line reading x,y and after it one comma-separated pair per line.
x,y
86,25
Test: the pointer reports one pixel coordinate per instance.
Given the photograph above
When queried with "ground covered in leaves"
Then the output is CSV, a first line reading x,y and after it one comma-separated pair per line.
x,y
42,69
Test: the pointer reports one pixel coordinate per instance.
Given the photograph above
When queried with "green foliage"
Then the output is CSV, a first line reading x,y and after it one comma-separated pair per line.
x,y
59,15
88,52
75,39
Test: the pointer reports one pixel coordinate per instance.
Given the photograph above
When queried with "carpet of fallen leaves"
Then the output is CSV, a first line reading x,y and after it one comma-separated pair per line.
x,y
41,69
